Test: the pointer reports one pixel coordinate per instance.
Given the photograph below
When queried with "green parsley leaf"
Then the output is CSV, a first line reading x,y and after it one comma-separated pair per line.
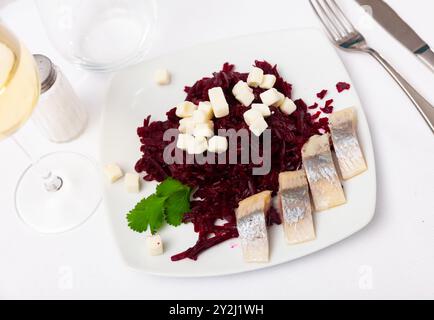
x,y
148,212
169,187
176,206
170,202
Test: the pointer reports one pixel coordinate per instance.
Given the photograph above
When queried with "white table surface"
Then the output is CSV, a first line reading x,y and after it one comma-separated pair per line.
x,y
392,258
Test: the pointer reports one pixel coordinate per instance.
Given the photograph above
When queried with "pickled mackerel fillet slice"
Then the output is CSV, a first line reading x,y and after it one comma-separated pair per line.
x,y
295,207
343,125
252,228
325,186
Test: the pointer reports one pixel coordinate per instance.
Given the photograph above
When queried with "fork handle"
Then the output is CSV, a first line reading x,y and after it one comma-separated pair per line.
x,y
423,106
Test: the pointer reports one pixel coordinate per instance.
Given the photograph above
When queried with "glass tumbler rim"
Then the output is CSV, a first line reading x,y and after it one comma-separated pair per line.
x,y
73,48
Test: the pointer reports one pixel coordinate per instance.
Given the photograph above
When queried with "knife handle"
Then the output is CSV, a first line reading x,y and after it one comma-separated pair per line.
x,y
423,106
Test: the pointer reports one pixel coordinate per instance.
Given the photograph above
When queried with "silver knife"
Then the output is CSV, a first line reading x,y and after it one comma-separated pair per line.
x,y
398,28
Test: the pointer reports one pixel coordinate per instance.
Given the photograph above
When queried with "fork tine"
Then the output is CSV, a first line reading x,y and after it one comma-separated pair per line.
x,y
323,17
343,18
339,23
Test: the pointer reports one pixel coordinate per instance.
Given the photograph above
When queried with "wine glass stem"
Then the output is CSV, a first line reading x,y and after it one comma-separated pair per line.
x,y
52,183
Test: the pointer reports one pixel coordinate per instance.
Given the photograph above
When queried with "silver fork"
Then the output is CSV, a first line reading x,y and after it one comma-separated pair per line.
x,y
345,36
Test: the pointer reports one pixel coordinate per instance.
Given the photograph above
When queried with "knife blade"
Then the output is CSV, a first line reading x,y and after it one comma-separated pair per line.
x,y
399,29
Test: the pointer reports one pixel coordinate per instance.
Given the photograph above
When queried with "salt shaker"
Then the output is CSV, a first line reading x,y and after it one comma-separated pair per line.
x,y
59,114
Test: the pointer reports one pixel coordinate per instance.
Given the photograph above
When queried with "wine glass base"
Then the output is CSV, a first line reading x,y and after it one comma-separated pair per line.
x,y
65,209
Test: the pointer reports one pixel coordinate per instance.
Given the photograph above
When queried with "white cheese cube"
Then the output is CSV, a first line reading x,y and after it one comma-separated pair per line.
x,y
206,107
270,97
268,81
288,107
186,125
239,87
204,130
162,77
198,146
200,116
262,108
113,172
217,144
245,97
255,77
251,116
281,99
132,182
154,244
258,126
184,140
185,109
218,101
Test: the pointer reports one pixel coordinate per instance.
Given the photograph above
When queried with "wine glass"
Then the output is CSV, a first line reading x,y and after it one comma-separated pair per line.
x,y
61,190
100,35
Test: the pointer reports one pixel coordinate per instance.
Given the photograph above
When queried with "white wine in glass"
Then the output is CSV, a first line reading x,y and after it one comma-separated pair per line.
x,y
61,190
19,84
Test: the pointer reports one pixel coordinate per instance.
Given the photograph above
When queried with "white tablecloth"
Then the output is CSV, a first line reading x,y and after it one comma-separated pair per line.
x,y
392,258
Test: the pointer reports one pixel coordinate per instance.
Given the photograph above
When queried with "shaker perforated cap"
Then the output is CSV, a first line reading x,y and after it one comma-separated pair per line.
x,y
47,72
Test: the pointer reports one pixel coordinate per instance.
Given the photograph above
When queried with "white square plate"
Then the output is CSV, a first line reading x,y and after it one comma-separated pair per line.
x,y
306,59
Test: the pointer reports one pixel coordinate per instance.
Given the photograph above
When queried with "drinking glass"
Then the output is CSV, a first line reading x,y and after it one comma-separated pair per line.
x,y
100,35
61,190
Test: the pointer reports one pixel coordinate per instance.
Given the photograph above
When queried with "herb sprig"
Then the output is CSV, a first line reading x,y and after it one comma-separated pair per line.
x,y
169,203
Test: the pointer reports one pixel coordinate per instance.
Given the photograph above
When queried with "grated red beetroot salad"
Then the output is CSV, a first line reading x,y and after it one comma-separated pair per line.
x,y
342,86
321,95
328,108
222,186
